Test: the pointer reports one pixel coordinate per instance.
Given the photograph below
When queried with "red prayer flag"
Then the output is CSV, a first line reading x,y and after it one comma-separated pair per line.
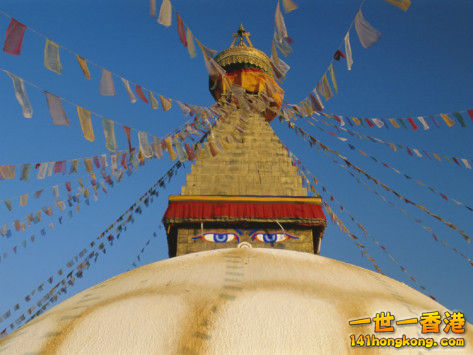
x,y
127,131
68,186
411,121
371,124
14,37
470,112
180,30
140,93
456,161
338,54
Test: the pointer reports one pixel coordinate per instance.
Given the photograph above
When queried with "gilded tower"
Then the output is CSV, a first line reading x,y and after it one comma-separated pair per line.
x,y
243,190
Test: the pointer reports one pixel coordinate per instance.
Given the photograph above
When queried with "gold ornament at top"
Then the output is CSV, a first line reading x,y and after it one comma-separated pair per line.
x,y
243,53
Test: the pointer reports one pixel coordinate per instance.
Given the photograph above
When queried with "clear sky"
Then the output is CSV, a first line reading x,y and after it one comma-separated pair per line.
x,y
422,65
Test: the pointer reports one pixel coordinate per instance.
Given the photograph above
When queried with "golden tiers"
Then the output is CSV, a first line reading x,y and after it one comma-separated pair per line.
x,y
244,55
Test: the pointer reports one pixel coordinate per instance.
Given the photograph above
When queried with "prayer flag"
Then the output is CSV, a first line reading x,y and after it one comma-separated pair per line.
x,y
326,89
127,132
14,37
280,25
282,45
23,200
332,76
42,170
83,66
60,167
86,123
172,153
56,190
338,54
411,121
206,52
466,162
289,6
165,13
316,102
128,90
378,122
402,4
7,171
165,103
180,30
459,118
185,110
8,204
470,112
348,51
21,95
56,110
145,148
109,133
447,120
152,99
140,93
190,152
25,172
422,121
367,34
152,8
51,57
157,148
106,86
74,166
88,165
190,43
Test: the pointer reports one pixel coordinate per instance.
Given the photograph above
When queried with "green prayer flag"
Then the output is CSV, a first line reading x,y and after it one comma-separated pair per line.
x,y
401,122
459,118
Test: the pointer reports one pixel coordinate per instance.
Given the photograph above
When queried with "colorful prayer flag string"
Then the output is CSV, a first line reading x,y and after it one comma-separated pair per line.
x,y
420,153
314,141
408,177
118,225
414,122
13,44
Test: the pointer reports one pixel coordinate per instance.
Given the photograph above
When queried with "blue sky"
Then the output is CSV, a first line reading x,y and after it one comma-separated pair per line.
x,y
420,66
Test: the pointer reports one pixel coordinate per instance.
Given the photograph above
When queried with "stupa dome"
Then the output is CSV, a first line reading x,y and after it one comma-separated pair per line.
x,y
229,301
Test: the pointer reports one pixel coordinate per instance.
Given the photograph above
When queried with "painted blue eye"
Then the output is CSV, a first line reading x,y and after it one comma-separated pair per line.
x,y
218,237
272,237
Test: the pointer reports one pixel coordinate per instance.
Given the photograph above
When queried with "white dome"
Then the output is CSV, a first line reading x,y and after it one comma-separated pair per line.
x,y
228,301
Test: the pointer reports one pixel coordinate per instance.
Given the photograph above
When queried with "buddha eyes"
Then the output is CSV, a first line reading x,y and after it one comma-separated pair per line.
x,y
218,237
230,237
271,237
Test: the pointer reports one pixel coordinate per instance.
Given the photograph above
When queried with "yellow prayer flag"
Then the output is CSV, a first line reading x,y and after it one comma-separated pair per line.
x,y
83,66
86,123
165,103
447,120
88,165
171,151
402,4
332,75
152,99
190,43
436,156
356,120
289,5
23,200
394,122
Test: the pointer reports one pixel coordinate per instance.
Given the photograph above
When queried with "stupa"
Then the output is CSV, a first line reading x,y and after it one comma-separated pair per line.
x,y
244,275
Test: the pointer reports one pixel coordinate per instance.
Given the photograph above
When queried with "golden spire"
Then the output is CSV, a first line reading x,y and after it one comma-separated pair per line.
x,y
241,35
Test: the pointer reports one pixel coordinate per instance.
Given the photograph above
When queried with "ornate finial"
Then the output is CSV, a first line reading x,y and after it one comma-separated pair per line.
x,y
241,35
